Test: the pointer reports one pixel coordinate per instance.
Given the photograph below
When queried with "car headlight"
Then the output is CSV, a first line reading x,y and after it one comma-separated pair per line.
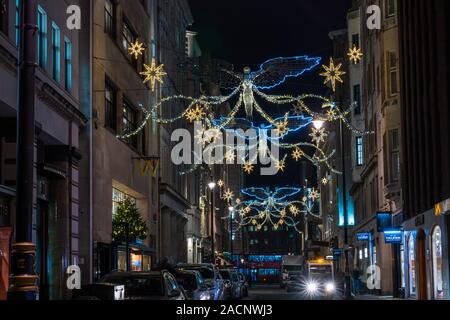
x,y
311,287
330,287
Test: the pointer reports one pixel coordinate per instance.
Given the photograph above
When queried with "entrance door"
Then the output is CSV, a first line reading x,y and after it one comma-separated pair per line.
x,y
421,266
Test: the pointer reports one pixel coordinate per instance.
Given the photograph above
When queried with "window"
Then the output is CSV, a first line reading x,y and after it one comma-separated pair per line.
x,y
42,38
110,107
359,151
4,16
357,99
128,38
394,146
412,266
393,82
117,197
68,65
390,8
438,283
355,40
129,122
110,18
17,21
56,52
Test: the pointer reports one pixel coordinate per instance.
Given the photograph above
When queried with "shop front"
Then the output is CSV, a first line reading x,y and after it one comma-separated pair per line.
x,y
140,257
6,198
425,256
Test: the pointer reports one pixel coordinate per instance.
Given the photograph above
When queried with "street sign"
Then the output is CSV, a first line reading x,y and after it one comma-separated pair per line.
x,y
384,221
363,236
393,236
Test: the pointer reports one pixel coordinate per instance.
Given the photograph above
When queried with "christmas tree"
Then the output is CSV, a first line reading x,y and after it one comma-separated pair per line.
x,y
127,215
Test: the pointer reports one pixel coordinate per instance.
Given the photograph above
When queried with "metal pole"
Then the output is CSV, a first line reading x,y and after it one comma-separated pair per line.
x,y
23,283
213,216
348,291
231,236
127,245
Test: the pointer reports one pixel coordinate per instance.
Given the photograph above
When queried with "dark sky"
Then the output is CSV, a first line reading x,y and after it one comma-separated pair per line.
x,y
249,32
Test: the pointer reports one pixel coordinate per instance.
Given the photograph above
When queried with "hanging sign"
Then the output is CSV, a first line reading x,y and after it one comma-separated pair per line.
x,y
363,236
393,236
149,165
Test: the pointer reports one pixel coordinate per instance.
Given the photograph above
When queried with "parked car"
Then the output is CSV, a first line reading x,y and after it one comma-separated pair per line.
x,y
155,285
193,285
244,285
233,287
212,277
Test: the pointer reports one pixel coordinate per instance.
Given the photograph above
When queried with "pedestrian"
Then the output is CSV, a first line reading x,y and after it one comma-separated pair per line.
x,y
356,275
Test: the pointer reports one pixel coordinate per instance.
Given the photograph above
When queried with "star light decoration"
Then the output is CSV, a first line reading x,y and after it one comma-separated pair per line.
x,y
355,55
318,135
297,154
228,195
333,74
195,114
248,168
136,49
153,73
314,195
282,128
298,109
280,165
324,181
220,183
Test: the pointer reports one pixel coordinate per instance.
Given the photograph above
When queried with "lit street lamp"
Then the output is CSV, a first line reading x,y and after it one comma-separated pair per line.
x,y
212,186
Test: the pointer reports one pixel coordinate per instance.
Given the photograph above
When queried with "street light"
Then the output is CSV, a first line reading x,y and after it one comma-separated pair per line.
x,y
231,210
212,186
318,124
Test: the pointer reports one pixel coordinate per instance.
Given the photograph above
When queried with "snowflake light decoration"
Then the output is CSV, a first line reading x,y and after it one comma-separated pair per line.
x,y
220,183
280,165
153,73
324,181
333,74
298,109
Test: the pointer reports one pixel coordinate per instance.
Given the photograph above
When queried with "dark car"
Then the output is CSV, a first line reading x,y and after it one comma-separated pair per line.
x,y
156,285
233,287
212,278
193,285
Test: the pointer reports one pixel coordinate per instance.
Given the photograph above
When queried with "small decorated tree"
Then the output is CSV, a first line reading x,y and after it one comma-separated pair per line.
x,y
127,215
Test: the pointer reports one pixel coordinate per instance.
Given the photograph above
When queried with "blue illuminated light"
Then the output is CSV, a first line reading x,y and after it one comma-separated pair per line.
x,y
350,209
283,68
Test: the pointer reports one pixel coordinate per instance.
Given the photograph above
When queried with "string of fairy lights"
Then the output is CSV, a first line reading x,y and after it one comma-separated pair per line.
x,y
280,206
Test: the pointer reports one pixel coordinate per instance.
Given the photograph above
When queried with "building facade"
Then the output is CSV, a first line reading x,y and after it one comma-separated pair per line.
x,y
425,145
118,94
61,117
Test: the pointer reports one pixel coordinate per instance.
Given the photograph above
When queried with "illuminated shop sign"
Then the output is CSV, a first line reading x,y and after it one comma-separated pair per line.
x,y
363,236
393,236
350,209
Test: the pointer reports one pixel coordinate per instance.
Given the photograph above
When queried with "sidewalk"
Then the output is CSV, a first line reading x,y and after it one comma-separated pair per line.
x,y
375,297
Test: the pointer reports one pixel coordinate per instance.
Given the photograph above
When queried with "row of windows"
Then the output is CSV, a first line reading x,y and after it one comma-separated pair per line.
x,y
42,43
129,116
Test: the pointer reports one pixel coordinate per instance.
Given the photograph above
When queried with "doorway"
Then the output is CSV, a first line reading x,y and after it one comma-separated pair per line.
x,y
422,293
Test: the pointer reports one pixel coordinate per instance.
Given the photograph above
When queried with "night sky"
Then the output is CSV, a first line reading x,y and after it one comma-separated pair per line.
x,y
249,32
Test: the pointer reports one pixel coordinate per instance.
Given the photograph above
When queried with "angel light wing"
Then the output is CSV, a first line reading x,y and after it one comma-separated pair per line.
x,y
274,72
229,80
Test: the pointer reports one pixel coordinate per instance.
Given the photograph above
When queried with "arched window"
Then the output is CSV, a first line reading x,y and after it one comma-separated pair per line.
x,y
412,266
436,244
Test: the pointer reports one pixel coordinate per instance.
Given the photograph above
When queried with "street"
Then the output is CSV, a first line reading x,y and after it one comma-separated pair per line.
x,y
270,292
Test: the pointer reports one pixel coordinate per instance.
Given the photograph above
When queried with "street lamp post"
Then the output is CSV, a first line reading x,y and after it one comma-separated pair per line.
x,y
231,210
212,186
